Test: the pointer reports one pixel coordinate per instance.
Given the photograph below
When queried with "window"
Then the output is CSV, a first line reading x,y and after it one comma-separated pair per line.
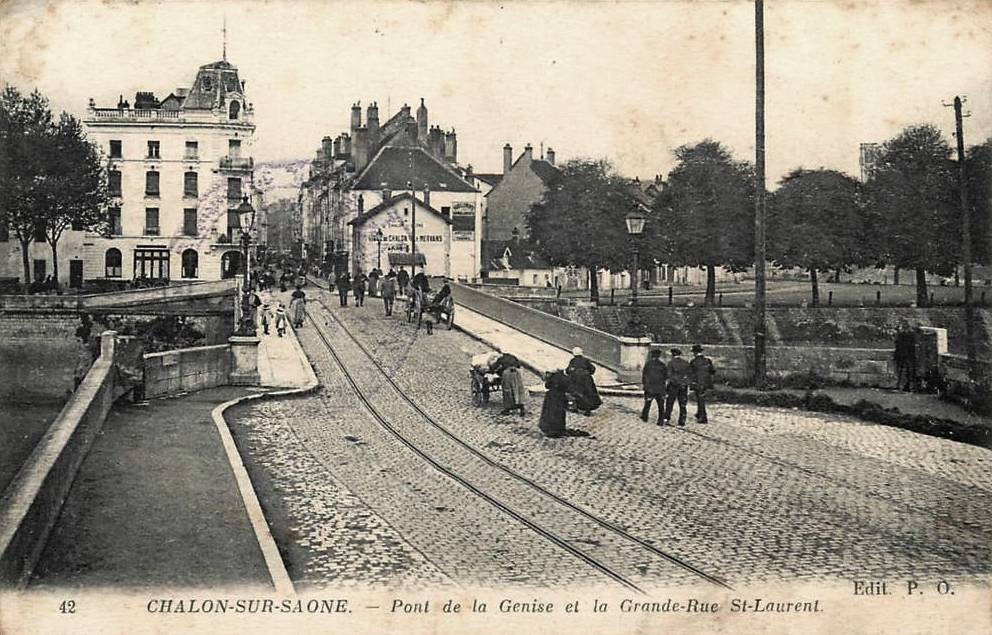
x,y
112,267
114,182
151,263
234,110
4,231
192,150
189,221
76,225
153,150
230,264
190,184
234,189
114,224
40,269
151,221
233,225
446,211
190,264
151,183
234,148
115,149
39,233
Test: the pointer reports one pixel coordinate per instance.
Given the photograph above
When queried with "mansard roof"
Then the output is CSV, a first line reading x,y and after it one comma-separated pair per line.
x,y
214,85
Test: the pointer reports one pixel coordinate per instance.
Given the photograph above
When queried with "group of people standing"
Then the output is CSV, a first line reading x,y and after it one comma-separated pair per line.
x,y
573,387
669,383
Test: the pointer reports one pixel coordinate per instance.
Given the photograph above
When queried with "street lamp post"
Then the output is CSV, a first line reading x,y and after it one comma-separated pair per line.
x,y
635,225
378,256
246,219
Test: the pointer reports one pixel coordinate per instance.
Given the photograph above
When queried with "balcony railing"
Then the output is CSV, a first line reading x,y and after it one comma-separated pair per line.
x,y
130,113
237,163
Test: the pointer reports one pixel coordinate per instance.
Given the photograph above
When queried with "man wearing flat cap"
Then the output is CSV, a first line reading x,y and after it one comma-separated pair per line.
x,y
702,380
679,374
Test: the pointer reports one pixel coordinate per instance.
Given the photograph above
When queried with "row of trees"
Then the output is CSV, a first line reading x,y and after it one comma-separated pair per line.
x,y
907,215
51,177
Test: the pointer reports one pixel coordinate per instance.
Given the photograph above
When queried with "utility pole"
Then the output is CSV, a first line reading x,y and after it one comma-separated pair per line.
x,y
760,366
969,307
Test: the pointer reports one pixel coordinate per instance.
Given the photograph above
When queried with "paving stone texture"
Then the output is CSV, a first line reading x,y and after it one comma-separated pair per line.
x,y
758,495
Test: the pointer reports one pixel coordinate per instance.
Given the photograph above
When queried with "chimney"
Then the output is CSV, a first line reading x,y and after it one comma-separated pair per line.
x,y
551,156
361,203
327,148
436,142
336,148
405,112
346,144
451,146
361,148
427,195
356,117
529,152
411,131
372,123
507,158
422,128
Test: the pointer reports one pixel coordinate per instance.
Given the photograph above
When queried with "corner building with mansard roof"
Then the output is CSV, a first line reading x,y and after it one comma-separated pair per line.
x,y
177,170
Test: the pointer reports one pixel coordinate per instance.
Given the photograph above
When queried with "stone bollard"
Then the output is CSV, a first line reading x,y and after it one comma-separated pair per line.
x,y
108,344
244,360
633,354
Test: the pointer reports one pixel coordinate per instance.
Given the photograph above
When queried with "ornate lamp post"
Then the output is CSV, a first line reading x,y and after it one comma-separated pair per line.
x,y
246,218
378,240
635,225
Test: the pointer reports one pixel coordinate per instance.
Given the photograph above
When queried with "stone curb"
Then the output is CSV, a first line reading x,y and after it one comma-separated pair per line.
x,y
270,551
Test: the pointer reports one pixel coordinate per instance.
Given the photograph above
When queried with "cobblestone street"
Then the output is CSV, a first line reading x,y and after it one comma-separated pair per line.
x,y
758,495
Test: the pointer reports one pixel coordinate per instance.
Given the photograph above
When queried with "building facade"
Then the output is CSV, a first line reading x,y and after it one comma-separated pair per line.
x,y
177,170
382,175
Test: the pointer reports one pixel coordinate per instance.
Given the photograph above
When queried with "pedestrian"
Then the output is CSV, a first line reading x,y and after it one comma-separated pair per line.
x,y
374,276
297,307
701,380
905,358
581,384
653,377
512,383
402,279
343,284
358,286
388,292
280,313
678,387
265,310
552,421
419,281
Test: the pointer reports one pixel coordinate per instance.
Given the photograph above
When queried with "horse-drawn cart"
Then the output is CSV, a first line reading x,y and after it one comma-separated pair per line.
x,y
484,381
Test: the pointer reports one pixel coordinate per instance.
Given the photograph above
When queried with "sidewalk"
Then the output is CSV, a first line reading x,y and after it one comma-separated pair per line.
x,y
162,498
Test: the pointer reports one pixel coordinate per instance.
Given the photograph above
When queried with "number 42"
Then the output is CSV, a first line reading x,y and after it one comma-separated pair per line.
x,y
67,606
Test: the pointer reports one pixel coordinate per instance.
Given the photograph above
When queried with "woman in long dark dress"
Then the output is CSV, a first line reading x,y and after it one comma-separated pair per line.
x,y
581,384
552,421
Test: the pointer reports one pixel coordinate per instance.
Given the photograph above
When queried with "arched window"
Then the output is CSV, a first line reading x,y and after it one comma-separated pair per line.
x,y
112,263
234,110
230,264
191,262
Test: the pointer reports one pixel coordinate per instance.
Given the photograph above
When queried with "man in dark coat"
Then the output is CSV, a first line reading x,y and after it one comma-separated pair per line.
x,y
343,285
552,422
583,388
679,374
388,291
653,377
358,286
905,358
402,279
702,380
420,282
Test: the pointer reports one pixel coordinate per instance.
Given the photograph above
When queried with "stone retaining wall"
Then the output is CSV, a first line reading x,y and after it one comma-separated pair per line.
x,y
187,369
33,500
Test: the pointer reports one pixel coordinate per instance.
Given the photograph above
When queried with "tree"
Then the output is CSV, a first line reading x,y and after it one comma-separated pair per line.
x,y
815,222
79,199
50,176
580,220
25,126
705,214
979,171
912,195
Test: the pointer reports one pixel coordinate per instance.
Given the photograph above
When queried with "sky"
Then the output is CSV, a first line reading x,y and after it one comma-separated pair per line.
x,y
628,81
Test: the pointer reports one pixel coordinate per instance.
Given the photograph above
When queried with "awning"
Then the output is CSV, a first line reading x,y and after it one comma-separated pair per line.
x,y
404,259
